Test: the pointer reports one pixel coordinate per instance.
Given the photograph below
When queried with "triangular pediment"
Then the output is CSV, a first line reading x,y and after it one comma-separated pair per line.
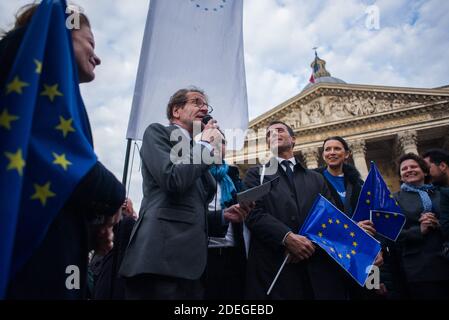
x,y
336,103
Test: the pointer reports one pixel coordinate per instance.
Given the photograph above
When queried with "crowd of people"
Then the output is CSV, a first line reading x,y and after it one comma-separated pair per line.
x,y
192,239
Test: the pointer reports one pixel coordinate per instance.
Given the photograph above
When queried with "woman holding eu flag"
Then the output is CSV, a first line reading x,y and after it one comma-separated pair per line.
x,y
343,179
345,185
49,255
421,239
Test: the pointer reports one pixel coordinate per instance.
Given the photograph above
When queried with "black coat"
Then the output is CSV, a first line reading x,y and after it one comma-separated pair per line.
x,y
105,287
276,214
353,185
420,254
225,272
444,207
215,225
66,243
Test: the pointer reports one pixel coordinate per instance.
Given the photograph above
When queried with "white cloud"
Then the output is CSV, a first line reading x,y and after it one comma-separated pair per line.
x,y
409,49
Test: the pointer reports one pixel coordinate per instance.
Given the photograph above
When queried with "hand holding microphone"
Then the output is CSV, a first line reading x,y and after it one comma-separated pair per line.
x,y
211,132
209,122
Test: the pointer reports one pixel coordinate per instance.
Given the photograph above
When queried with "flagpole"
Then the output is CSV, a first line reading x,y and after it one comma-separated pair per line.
x,y
277,275
125,169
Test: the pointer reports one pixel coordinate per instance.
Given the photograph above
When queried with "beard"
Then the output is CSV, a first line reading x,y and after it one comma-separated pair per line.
x,y
440,180
279,148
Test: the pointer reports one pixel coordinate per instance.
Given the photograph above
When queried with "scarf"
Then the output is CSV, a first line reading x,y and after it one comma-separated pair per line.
x,y
227,187
422,191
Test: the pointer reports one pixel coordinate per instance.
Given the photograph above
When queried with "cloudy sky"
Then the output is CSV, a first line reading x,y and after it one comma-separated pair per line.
x,y
409,47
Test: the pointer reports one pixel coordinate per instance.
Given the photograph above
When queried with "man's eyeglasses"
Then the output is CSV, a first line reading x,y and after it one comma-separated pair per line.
x,y
200,103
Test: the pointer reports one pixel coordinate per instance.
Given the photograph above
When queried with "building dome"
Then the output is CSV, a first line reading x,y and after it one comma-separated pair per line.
x,y
323,80
320,74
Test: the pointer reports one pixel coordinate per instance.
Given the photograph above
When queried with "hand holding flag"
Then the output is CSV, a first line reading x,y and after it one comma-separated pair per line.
x,y
377,204
345,242
348,244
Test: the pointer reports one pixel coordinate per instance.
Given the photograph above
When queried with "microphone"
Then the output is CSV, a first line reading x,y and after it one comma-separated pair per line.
x,y
206,119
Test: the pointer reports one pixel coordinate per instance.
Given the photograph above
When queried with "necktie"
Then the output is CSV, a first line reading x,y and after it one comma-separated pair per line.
x,y
289,172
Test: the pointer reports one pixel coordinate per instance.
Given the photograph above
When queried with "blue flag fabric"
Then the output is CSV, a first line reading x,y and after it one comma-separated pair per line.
x,y
46,143
349,245
376,203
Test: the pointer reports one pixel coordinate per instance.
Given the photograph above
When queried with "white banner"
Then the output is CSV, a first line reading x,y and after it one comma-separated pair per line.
x,y
192,43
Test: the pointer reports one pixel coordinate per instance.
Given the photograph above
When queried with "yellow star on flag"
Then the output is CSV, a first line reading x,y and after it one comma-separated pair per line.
x,y
16,86
368,202
61,160
42,193
348,256
16,161
330,221
65,126
353,252
332,250
387,216
320,234
368,193
38,66
352,234
51,92
391,196
337,221
345,226
324,226
355,244
378,214
340,255
6,119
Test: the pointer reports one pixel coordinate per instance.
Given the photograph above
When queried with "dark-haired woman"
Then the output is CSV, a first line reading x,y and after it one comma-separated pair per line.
x,y
345,185
343,179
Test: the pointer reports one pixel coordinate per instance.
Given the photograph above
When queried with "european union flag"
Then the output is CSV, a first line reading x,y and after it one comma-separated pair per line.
x,y
46,144
377,204
351,247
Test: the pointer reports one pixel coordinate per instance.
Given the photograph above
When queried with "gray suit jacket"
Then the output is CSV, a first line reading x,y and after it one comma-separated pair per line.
x,y
170,237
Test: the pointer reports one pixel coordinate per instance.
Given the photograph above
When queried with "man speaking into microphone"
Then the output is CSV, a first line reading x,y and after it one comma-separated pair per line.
x,y
167,252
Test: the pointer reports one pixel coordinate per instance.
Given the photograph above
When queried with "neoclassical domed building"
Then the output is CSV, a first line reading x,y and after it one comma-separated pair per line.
x,y
379,122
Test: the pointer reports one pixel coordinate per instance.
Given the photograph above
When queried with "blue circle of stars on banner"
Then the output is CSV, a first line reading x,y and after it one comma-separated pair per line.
x,y
211,5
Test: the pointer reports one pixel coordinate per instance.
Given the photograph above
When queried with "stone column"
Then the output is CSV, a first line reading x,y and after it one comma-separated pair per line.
x,y
407,142
358,149
310,157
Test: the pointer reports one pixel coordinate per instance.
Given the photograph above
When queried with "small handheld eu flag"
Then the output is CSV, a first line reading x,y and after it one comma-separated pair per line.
x,y
345,242
377,204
